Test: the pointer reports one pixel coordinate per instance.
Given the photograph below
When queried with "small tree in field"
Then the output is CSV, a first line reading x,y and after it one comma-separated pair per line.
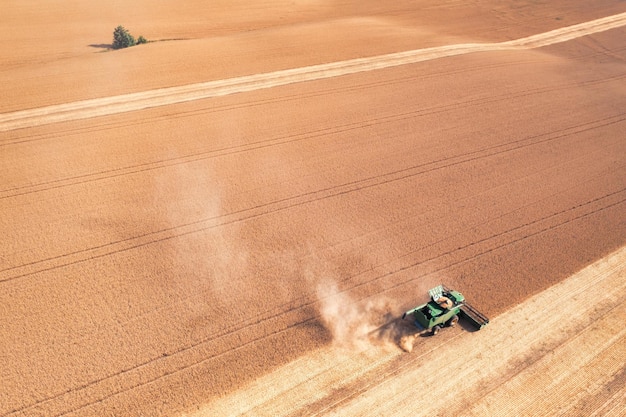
x,y
122,38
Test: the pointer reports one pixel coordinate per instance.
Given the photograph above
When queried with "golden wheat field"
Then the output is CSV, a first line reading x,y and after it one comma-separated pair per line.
x,y
231,218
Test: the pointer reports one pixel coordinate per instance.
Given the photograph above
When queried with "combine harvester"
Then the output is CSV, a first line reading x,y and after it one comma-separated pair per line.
x,y
444,309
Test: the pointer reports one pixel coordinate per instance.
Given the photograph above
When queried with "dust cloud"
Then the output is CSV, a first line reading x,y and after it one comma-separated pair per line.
x,y
188,198
357,324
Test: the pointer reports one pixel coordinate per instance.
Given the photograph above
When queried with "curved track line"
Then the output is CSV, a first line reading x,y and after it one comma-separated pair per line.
x,y
165,96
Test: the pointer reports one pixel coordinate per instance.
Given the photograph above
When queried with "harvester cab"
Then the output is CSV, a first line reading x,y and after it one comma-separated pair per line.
x,y
445,302
444,309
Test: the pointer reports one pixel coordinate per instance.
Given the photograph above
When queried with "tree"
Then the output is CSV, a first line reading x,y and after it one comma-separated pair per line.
x,y
122,38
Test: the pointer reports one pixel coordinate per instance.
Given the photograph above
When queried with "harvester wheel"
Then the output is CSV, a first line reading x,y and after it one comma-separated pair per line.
x,y
453,321
436,329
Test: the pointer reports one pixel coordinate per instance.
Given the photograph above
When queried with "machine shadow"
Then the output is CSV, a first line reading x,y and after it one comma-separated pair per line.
x,y
101,45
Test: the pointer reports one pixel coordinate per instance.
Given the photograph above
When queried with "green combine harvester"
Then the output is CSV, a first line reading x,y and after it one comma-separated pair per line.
x,y
444,309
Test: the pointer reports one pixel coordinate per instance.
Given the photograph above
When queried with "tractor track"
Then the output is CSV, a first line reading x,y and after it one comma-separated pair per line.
x,y
208,352
29,137
280,141
289,318
173,95
134,242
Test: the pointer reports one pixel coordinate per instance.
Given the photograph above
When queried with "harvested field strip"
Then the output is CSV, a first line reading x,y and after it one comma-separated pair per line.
x,y
467,373
546,332
579,374
507,360
614,406
95,127
322,92
24,137
166,96
280,320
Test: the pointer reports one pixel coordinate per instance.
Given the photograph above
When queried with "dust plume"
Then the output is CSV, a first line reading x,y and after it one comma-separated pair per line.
x,y
356,324
188,198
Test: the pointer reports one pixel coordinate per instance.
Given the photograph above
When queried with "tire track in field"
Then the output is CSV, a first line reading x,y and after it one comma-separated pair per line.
x,y
103,126
165,96
106,249
287,321
276,312
276,320
267,143
193,365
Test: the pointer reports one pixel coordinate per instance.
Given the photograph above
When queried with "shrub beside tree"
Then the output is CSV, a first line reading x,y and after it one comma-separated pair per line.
x,y
123,39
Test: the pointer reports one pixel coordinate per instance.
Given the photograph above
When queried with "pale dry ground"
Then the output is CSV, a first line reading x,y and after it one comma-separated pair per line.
x,y
562,352
173,95
155,260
